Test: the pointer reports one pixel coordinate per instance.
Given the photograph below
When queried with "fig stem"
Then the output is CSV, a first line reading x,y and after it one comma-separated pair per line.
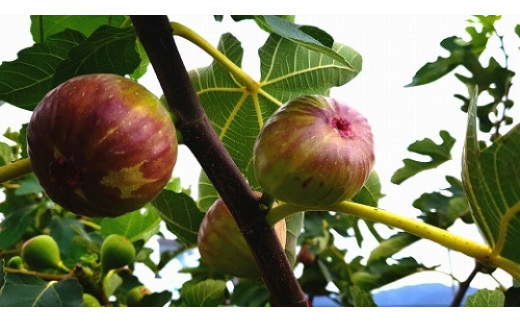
x,y
15,169
155,33
482,253
190,35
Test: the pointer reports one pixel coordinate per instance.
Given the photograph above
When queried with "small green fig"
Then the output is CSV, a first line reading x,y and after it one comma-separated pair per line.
x,y
223,248
116,251
136,294
314,151
90,301
16,262
42,252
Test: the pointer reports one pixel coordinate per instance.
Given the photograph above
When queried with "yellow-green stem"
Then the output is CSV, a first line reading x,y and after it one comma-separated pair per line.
x,y
480,252
15,169
244,78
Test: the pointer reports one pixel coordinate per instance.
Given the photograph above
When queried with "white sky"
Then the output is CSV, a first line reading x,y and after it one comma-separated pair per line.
x,y
393,48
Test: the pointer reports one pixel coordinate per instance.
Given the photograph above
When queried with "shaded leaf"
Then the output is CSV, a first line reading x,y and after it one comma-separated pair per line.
x,y
156,299
141,224
6,154
361,298
17,220
294,225
438,154
207,192
490,177
486,298
28,291
24,81
206,293
391,246
249,293
107,50
43,26
180,214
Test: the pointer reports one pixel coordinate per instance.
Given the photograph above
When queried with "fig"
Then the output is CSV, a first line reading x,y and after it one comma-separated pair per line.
x,y
101,145
16,262
41,252
90,301
116,251
223,248
136,294
314,152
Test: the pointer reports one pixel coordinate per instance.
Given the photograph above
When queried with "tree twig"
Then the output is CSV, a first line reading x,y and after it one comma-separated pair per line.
x,y
155,34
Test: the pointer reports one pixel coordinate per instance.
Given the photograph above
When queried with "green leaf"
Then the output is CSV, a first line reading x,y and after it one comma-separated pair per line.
x,y
249,293
107,50
6,154
288,70
391,246
438,154
24,81
181,215
486,298
370,193
29,291
294,226
207,192
17,220
308,36
361,298
44,26
206,293
490,177
156,299
141,224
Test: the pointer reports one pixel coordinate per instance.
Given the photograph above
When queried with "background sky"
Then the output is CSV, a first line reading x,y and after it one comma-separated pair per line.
x,y
393,48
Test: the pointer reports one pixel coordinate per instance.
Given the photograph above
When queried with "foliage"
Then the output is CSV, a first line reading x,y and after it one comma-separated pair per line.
x,y
294,60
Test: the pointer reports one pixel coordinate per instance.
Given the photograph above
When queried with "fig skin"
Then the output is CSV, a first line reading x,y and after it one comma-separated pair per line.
x,y
223,248
116,251
41,253
136,294
90,301
314,152
101,145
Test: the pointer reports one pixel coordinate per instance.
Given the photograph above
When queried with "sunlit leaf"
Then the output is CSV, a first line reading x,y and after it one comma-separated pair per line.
x,y
287,71
43,26
28,291
180,213
141,224
107,50
490,178
439,153
486,298
24,81
206,293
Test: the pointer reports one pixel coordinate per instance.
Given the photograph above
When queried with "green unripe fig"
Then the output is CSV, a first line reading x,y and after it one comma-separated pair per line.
x,y
136,294
90,301
116,251
42,252
16,262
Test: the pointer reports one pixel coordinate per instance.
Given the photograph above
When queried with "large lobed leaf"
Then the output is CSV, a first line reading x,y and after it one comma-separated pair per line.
x,y
287,70
65,54
490,178
27,290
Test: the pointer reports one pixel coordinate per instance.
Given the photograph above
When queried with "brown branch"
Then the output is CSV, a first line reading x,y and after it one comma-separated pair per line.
x,y
155,34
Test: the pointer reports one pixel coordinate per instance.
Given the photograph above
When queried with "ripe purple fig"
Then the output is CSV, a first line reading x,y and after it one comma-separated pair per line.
x,y
101,145
222,246
314,152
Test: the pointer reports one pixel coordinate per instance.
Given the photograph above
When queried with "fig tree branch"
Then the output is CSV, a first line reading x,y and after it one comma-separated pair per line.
x,y
480,252
155,33
15,169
